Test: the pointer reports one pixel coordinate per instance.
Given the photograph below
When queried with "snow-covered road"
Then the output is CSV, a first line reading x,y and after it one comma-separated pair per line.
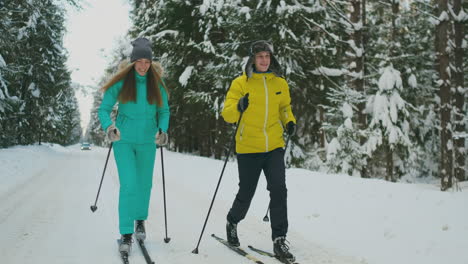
x,y
45,217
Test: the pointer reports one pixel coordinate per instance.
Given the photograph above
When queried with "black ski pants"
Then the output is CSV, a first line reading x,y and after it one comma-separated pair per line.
x,y
250,167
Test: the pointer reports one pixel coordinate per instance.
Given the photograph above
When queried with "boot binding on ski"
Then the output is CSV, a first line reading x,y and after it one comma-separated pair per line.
x,y
281,249
231,234
126,244
140,232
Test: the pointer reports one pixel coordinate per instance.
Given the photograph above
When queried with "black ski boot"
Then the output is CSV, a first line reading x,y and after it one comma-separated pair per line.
x,y
231,234
126,244
282,250
140,232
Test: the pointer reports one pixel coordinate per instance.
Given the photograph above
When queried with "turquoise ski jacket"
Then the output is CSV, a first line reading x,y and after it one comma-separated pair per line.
x,y
138,122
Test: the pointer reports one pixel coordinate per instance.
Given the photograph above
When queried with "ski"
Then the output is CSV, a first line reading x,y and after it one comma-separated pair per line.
x,y
141,243
238,250
271,255
123,255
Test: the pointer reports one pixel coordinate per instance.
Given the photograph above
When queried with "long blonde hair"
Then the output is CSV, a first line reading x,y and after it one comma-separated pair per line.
x,y
126,72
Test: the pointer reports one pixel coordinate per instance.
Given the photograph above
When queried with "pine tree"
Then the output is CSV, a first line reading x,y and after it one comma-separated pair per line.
x,y
38,73
349,19
333,52
344,152
443,61
119,57
417,71
384,53
459,17
176,29
389,122
204,46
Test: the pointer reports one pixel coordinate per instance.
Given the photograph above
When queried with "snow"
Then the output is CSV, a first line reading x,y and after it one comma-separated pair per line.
x,y
333,148
328,71
184,77
348,123
46,191
412,81
245,10
167,32
358,51
2,62
347,110
204,7
444,16
390,78
388,108
34,90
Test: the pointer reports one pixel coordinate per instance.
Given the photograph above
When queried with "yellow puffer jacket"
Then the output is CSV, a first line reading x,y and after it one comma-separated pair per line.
x,y
269,110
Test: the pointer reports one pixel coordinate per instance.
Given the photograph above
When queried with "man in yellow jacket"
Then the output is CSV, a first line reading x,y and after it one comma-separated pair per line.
x,y
261,96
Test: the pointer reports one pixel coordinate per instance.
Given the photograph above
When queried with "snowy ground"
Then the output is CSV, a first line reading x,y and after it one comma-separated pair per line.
x,y
46,191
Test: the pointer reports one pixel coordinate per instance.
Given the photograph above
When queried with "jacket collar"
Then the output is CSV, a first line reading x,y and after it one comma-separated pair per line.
x,y
140,78
256,75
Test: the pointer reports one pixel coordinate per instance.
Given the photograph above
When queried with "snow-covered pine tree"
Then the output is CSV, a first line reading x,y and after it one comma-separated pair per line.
x,y
118,58
344,152
443,82
416,36
204,46
459,18
389,124
189,40
336,74
349,17
383,50
94,133
8,101
38,73
5,43
321,44
11,120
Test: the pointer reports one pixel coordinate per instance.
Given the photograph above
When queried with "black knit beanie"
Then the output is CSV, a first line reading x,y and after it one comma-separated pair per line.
x,y
141,50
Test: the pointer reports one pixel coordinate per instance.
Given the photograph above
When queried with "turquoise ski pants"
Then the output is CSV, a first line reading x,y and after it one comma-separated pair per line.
x,y
135,163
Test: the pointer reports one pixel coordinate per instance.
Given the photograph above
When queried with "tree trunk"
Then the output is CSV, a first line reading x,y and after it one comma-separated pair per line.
x,y
389,162
445,97
393,52
459,168
322,131
358,74
395,9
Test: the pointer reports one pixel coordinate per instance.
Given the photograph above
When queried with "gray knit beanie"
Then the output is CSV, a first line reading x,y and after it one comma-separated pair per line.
x,y
141,50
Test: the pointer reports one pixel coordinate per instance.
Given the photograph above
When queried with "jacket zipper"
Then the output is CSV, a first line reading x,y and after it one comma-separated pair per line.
x,y
266,114
241,132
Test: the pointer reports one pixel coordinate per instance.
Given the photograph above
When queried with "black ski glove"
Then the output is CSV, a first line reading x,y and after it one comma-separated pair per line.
x,y
291,128
243,103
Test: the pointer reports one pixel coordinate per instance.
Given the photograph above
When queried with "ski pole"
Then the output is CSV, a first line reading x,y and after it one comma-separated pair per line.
x,y
94,207
166,239
195,251
266,218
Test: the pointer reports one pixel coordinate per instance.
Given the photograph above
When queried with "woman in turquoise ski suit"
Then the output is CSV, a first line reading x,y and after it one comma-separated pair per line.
x,y
143,111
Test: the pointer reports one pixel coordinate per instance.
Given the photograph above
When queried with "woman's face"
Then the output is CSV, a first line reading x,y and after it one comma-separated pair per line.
x,y
142,66
262,61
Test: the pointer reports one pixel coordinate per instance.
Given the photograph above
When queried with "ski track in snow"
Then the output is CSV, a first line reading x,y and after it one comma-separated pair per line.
x,y
46,218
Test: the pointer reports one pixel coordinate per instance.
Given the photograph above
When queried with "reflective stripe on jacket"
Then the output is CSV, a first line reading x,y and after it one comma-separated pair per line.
x,y
262,125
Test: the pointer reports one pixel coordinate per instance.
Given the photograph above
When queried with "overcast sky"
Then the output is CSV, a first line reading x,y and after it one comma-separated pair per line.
x,y
91,35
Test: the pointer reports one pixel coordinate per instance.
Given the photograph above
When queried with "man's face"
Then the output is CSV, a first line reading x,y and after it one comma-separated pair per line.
x,y
142,66
262,61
